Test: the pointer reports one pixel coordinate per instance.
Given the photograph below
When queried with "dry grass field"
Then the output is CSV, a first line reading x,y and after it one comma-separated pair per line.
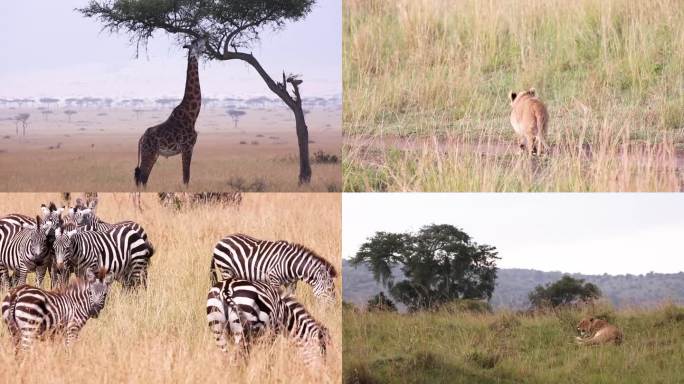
x,y
426,85
160,335
100,146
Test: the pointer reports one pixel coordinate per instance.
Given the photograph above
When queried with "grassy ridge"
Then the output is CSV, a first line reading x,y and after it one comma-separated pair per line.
x,y
509,348
610,72
161,334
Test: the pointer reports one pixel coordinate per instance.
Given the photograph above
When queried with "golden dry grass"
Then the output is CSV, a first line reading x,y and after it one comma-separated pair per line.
x,y
100,146
161,335
431,71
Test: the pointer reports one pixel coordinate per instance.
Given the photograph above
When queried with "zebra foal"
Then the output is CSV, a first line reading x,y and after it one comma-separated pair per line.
x,y
31,312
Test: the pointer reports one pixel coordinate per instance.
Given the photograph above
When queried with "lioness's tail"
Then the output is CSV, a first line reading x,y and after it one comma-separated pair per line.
x,y
542,123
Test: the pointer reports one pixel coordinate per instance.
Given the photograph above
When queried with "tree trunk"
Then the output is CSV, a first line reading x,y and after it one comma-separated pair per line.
x,y
295,104
303,140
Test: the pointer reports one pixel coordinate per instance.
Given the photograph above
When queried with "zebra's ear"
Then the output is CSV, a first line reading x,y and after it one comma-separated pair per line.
x,y
93,204
44,210
38,221
60,210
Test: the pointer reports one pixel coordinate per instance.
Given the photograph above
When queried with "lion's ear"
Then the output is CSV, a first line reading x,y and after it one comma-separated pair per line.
x,y
513,95
532,91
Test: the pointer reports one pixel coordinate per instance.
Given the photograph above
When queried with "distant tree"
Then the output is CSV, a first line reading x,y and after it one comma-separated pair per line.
x,y
69,112
236,114
441,263
380,302
48,101
22,119
565,291
45,113
138,111
230,29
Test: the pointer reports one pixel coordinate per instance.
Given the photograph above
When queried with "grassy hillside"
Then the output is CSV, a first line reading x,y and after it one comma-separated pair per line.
x,y
426,86
509,348
161,335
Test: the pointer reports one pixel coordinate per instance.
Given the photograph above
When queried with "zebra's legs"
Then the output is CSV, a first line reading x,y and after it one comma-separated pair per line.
x,y
5,280
40,275
21,277
72,332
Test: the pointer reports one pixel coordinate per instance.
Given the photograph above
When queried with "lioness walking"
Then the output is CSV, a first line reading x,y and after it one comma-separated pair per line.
x,y
596,331
529,119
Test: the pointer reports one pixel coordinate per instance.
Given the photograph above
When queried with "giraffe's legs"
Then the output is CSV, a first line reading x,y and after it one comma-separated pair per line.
x,y
147,160
187,158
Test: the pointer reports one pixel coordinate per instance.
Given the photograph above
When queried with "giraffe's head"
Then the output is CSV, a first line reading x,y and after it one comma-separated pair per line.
x,y
197,47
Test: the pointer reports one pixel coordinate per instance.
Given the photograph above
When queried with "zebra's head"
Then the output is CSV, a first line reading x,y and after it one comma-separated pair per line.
x,y
323,283
97,288
324,339
62,248
81,215
37,248
51,216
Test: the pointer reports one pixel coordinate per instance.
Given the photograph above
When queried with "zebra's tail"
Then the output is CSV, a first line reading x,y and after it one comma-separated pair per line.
x,y
212,272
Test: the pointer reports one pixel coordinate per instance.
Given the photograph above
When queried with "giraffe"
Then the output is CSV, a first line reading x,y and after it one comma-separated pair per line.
x,y
177,134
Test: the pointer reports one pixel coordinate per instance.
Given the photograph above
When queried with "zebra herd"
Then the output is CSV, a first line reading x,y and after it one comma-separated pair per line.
x,y
250,299
80,243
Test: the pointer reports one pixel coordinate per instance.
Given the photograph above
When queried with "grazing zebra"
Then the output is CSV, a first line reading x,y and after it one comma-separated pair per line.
x,y
276,262
52,219
85,218
246,309
23,249
30,311
120,251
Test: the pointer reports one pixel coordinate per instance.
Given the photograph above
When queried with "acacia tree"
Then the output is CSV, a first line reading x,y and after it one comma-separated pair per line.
x,y
441,263
229,27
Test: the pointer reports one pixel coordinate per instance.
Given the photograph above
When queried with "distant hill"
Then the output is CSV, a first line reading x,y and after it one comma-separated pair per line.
x,y
513,285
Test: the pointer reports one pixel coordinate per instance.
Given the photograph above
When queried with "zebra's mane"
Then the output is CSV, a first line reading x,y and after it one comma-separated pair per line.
x,y
331,269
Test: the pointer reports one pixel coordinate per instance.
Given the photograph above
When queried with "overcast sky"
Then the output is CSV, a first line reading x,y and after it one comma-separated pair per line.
x,y
584,233
48,49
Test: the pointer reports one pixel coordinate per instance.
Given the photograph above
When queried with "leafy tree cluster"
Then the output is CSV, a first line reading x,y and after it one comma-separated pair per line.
x,y
566,291
441,263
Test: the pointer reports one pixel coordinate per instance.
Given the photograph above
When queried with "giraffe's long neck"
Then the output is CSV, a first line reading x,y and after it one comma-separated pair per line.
x,y
192,99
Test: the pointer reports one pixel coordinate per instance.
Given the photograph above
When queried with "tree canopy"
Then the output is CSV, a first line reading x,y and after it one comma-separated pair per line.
x,y
565,291
227,25
441,263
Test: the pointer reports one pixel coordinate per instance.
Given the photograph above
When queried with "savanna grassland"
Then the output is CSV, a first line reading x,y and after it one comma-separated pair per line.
x,y
427,82
506,347
160,335
100,145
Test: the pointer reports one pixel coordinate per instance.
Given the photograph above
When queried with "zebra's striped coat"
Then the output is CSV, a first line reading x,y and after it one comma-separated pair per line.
x,y
30,312
276,262
246,309
23,249
120,251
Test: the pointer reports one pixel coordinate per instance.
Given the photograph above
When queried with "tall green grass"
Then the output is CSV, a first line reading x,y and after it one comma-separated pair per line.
x,y
442,70
509,348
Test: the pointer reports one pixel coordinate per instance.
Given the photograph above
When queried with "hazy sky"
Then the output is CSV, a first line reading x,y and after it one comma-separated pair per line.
x,y
48,49
584,233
